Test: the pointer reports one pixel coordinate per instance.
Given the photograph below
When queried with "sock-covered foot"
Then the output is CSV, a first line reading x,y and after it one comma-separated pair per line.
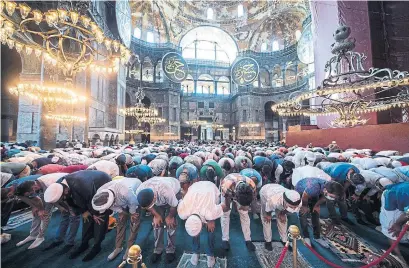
x,y
36,242
225,245
91,255
307,241
28,239
255,216
194,260
211,261
155,257
250,246
170,257
114,254
268,246
78,251
53,245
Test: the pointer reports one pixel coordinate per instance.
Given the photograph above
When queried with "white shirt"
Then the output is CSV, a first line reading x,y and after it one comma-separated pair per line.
x,y
308,172
271,196
106,166
124,190
203,199
370,181
49,179
365,163
165,188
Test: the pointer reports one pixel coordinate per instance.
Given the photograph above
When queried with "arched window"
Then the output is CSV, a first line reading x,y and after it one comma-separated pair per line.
x,y
205,84
137,33
208,43
240,10
209,13
264,47
149,37
297,35
147,70
188,85
275,46
223,86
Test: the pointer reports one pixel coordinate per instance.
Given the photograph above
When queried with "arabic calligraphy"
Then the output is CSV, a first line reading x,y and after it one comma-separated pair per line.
x,y
174,67
245,71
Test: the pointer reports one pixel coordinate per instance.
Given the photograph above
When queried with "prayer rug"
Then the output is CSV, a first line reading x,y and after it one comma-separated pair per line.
x,y
19,218
350,247
268,259
185,262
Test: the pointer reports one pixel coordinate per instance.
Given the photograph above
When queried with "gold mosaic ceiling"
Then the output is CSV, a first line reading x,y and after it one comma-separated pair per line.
x,y
263,21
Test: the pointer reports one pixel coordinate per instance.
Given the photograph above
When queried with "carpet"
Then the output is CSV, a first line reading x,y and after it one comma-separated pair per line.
x,y
185,262
350,247
19,218
268,259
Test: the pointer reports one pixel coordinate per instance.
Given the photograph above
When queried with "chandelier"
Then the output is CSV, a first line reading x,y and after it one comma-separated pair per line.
x,y
67,40
50,95
196,123
65,118
134,131
249,125
153,120
139,111
349,90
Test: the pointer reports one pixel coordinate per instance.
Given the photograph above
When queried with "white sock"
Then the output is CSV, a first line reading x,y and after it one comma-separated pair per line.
x,y
194,260
211,261
28,239
114,254
36,242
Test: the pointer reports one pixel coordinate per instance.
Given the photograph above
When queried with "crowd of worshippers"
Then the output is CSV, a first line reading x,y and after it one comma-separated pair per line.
x,y
199,183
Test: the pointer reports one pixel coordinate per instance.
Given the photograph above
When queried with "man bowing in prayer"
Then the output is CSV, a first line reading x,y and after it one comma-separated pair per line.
x,y
281,201
119,196
78,189
201,206
158,195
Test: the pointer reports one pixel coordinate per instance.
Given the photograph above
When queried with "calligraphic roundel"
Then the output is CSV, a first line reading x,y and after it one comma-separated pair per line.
x,y
174,67
244,71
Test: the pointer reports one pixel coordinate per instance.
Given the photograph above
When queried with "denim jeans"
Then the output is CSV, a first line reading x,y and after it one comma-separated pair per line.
x,y
315,219
210,243
343,209
68,221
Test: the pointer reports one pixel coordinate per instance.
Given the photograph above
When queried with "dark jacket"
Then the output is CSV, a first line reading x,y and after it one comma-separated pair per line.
x,y
42,161
83,186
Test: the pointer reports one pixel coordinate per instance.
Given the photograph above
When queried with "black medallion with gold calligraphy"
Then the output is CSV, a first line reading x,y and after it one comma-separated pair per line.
x,y
244,71
174,67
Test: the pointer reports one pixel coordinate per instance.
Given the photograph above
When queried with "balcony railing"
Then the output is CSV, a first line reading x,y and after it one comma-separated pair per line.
x,y
139,42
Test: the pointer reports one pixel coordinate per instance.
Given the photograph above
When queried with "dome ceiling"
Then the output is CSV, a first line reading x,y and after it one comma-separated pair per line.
x,y
262,21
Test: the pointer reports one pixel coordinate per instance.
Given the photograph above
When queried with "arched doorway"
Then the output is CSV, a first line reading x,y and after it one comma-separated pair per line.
x,y
106,140
95,138
273,123
111,141
146,135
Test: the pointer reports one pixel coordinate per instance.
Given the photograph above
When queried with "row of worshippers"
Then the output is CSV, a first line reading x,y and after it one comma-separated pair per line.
x,y
271,175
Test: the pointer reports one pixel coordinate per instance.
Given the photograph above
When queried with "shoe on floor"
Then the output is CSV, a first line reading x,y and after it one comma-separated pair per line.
x,y
361,222
53,245
256,216
322,242
155,257
225,245
348,221
5,238
36,242
78,251
114,254
211,261
28,239
250,246
91,255
125,255
170,257
378,228
268,246
194,260
307,241
290,248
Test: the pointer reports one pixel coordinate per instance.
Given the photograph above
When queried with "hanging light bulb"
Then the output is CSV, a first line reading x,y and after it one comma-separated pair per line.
x,y
108,43
24,10
62,14
85,21
19,47
10,43
10,7
51,17
37,52
8,26
37,16
29,50
74,17
115,44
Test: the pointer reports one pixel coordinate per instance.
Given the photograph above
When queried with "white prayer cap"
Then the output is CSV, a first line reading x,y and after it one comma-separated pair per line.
x,y
53,193
311,157
193,225
385,181
333,142
293,198
396,164
102,207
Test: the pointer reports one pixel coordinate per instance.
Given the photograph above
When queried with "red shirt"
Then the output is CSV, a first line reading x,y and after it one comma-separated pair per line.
x,y
50,168
73,168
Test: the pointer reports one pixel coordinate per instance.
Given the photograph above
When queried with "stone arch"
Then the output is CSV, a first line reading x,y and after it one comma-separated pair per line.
x,y
106,140
205,84
277,76
290,74
111,140
147,69
265,79
95,138
188,85
271,123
